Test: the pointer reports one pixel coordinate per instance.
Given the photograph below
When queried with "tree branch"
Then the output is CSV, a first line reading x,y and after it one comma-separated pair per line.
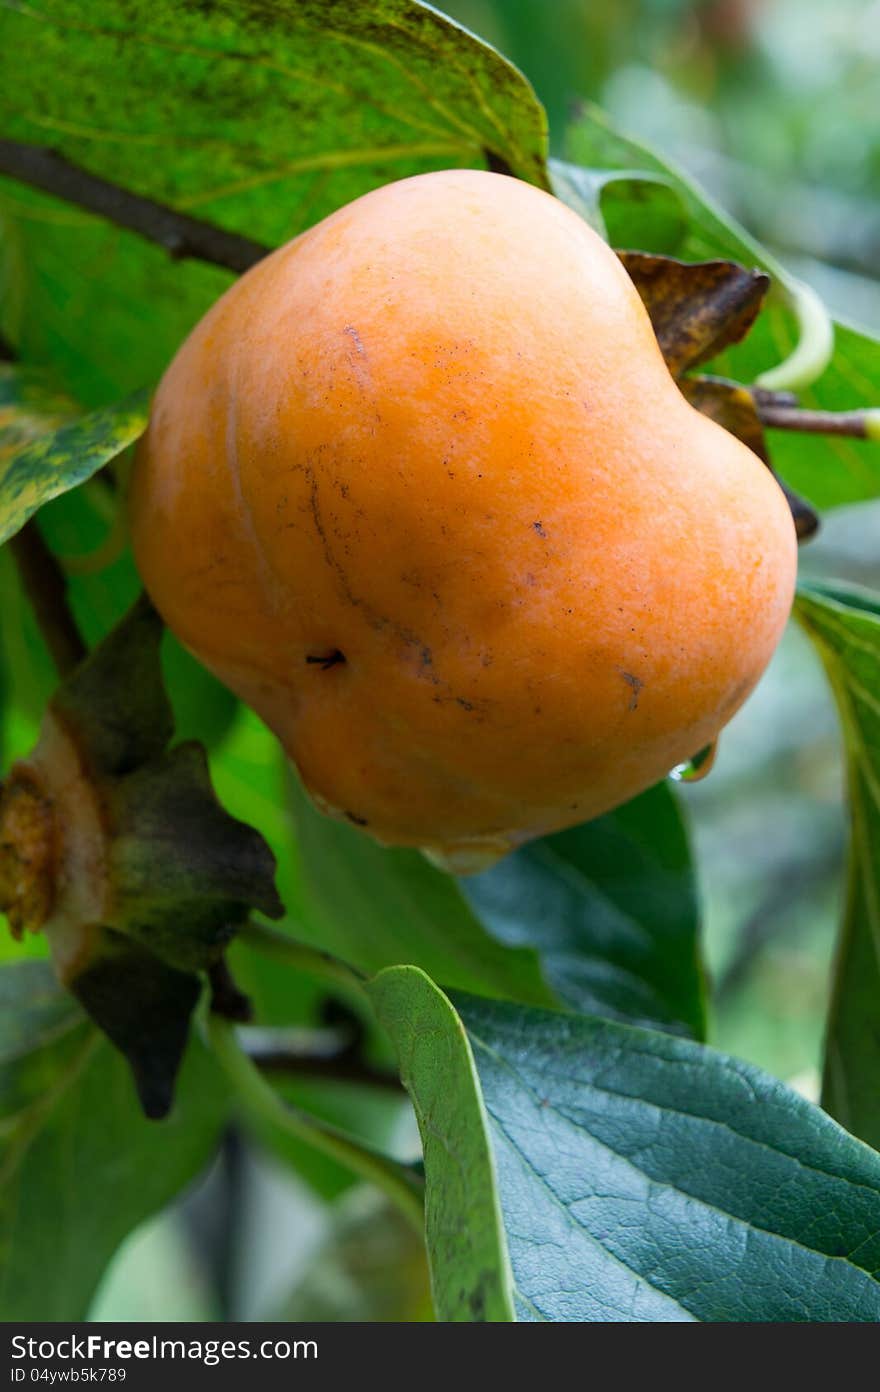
x,y
181,236
858,425
315,1054
46,589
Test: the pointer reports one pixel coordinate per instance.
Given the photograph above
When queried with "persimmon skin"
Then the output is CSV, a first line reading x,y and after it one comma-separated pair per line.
x,y
435,435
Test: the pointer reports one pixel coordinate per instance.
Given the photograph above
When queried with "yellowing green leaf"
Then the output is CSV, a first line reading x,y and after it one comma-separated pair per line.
x,y
44,453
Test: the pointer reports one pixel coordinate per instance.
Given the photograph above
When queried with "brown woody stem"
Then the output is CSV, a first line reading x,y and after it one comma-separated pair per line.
x,y
181,236
46,589
317,1054
858,425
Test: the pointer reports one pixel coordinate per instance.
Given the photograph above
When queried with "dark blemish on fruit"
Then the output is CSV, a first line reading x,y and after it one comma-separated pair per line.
x,y
636,684
539,528
358,821
326,660
465,705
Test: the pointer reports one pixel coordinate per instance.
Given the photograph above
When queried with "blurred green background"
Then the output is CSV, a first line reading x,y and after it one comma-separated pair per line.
x,y
775,106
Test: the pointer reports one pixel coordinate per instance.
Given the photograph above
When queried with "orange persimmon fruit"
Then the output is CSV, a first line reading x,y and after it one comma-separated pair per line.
x,y
420,489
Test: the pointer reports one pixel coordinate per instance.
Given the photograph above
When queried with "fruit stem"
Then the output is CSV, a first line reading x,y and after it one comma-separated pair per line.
x,y
859,425
398,1181
281,948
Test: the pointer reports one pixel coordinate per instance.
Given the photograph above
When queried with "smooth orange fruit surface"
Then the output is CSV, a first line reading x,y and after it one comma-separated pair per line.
x,y
421,490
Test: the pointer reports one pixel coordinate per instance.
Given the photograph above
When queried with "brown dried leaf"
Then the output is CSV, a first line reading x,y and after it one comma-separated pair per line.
x,y
697,308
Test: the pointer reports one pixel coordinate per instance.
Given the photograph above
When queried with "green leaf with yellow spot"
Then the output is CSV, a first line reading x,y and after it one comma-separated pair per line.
x,y
46,449
29,408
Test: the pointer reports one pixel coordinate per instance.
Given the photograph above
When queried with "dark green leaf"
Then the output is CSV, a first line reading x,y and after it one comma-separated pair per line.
x,y
611,908
270,116
844,623
79,1165
144,1007
375,907
185,873
639,1177
115,702
643,1177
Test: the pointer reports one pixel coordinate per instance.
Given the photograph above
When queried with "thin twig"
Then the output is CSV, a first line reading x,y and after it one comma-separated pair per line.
x,y
181,236
46,589
858,425
317,1053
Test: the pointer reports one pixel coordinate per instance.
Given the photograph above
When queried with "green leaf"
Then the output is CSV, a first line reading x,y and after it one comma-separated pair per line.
x,y
123,670
829,470
643,1177
55,462
375,907
611,908
844,623
271,116
638,1177
470,1272
79,1166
